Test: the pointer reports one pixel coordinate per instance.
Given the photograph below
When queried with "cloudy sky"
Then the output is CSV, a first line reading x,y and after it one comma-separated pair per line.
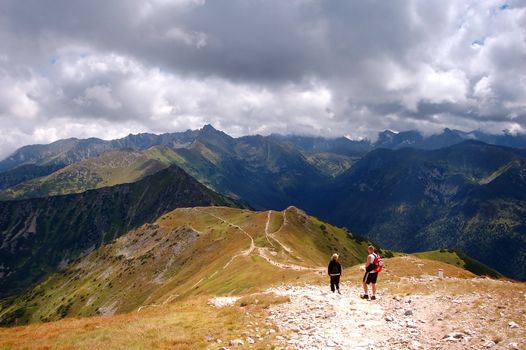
x,y
76,68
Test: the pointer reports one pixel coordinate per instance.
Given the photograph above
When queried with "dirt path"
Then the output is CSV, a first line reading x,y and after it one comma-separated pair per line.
x,y
263,253
244,252
271,234
260,251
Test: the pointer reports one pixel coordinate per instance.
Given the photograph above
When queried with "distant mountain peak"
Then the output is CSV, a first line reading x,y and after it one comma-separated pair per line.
x,y
209,131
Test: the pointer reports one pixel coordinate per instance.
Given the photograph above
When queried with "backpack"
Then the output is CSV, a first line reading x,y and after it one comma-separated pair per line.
x,y
378,263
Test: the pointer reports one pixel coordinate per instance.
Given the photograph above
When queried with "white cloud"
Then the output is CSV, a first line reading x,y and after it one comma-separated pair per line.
x,y
331,68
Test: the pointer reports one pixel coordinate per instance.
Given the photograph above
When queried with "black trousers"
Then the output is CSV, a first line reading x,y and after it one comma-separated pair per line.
x,y
335,282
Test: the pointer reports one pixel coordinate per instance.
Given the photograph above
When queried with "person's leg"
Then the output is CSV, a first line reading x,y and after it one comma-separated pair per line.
x,y
337,280
332,284
364,284
374,288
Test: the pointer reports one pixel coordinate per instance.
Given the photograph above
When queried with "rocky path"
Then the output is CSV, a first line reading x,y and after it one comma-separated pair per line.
x,y
316,318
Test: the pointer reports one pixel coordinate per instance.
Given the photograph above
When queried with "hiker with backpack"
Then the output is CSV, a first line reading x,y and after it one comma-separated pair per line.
x,y
335,271
373,265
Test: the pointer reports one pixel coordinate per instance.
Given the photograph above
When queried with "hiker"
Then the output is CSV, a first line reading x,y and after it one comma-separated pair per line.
x,y
370,274
335,271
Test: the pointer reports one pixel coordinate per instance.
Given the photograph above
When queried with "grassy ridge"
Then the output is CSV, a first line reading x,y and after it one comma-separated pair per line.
x,y
459,259
109,169
186,253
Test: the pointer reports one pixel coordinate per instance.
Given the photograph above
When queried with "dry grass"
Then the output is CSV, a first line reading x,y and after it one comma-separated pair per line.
x,y
188,325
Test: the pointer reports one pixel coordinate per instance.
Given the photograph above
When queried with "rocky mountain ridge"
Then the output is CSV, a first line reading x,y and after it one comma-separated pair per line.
x,y
42,235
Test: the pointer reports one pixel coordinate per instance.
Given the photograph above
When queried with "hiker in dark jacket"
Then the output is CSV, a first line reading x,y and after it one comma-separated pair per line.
x,y
335,271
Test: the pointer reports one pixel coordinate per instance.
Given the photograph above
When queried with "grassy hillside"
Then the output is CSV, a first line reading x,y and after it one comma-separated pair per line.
x,y
461,260
109,169
40,235
331,164
192,323
24,173
186,253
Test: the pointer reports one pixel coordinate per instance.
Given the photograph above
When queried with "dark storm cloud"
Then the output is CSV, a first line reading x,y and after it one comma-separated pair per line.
x,y
105,68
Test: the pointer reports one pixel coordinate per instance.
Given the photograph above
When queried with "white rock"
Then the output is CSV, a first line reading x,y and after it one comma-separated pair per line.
x,y
237,342
513,325
415,344
223,301
489,344
250,340
389,318
514,346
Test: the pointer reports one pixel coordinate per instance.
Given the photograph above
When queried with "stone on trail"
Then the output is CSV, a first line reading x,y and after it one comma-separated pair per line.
x,y
408,312
453,337
415,345
513,325
237,342
489,344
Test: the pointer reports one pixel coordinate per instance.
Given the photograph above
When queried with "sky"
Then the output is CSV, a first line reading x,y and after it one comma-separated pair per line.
x,y
99,68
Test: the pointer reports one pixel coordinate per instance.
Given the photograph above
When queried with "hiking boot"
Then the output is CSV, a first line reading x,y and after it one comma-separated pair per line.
x,y
365,296
373,297
339,292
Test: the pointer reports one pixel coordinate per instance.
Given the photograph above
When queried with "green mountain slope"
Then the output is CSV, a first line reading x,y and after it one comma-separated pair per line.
x,y
470,197
37,236
73,150
24,173
109,169
187,252
461,260
264,172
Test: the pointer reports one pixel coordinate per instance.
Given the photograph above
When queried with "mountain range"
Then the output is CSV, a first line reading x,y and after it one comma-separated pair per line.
x,y
470,197
68,151
405,191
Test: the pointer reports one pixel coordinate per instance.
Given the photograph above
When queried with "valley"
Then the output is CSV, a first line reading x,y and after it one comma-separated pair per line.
x,y
201,240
